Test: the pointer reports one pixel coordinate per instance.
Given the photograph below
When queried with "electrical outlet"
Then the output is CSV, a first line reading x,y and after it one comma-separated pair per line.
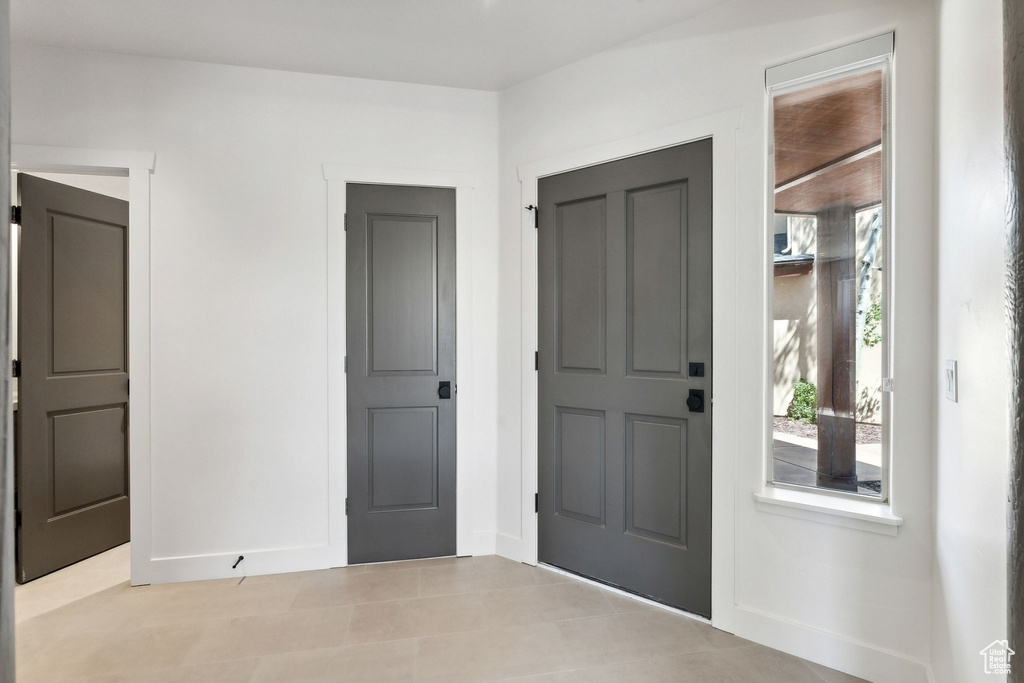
x,y
951,381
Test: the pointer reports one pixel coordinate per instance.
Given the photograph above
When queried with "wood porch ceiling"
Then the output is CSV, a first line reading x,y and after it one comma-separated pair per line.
x,y
828,144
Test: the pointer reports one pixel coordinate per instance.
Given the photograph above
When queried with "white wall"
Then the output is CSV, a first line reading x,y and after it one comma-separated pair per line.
x,y
798,582
239,269
971,484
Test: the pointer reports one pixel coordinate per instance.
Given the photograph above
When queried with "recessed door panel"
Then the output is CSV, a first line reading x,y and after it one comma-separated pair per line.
x,y
403,458
579,464
89,298
656,280
400,277
402,287
581,282
624,466
656,478
90,457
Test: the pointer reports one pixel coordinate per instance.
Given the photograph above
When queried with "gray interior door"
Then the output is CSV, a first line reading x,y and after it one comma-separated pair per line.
x,y
401,372
72,421
625,309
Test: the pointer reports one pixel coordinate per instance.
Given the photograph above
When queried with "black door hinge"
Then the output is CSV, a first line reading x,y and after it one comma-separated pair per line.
x,y
536,215
346,506
17,519
15,368
346,222
536,502
536,360
16,215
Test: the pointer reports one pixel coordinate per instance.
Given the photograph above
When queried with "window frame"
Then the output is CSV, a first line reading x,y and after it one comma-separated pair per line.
x,y
861,57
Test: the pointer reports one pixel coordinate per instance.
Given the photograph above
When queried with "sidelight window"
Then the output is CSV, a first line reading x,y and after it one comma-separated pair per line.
x,y
831,266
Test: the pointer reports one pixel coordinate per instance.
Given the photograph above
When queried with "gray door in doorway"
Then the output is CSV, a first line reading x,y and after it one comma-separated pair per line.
x,y
71,454
401,372
625,374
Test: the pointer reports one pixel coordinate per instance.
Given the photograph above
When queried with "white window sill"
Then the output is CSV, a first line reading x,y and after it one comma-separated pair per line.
x,y
817,507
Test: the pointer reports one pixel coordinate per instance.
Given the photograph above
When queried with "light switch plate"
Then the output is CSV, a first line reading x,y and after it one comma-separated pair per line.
x,y
951,381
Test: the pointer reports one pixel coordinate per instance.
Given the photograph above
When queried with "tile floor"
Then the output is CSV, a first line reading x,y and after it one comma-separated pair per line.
x,y
473,619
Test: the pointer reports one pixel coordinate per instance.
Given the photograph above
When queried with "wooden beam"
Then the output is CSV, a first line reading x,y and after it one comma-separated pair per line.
x,y
831,166
836,268
858,183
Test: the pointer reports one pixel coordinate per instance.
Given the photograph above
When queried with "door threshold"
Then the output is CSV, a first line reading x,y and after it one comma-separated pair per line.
x,y
625,593
411,559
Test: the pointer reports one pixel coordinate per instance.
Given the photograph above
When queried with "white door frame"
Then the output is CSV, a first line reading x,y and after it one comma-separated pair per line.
x,y
337,177
721,128
137,166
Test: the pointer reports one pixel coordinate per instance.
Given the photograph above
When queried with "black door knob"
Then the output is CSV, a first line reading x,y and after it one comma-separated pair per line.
x,y
695,401
444,390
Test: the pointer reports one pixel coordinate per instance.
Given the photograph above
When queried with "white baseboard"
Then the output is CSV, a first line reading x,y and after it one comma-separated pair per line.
x,y
484,543
219,566
509,547
828,649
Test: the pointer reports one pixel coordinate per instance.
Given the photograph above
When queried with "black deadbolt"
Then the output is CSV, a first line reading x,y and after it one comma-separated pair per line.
x,y
695,402
696,370
444,389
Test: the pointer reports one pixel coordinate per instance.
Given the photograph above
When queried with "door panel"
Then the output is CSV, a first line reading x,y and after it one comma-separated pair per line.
x,y
90,457
72,421
581,286
625,307
403,458
401,345
656,478
88,296
579,464
656,257
403,294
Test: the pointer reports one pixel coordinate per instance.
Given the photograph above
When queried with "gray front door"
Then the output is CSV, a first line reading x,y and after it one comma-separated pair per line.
x,y
401,372
625,316
72,422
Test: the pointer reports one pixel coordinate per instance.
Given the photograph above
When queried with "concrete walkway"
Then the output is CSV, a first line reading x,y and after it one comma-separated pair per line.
x,y
796,462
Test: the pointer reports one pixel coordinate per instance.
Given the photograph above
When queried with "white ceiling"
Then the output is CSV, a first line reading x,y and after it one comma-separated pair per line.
x,y
483,44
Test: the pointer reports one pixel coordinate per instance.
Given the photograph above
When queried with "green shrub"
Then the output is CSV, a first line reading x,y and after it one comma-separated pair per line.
x,y
873,323
804,407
